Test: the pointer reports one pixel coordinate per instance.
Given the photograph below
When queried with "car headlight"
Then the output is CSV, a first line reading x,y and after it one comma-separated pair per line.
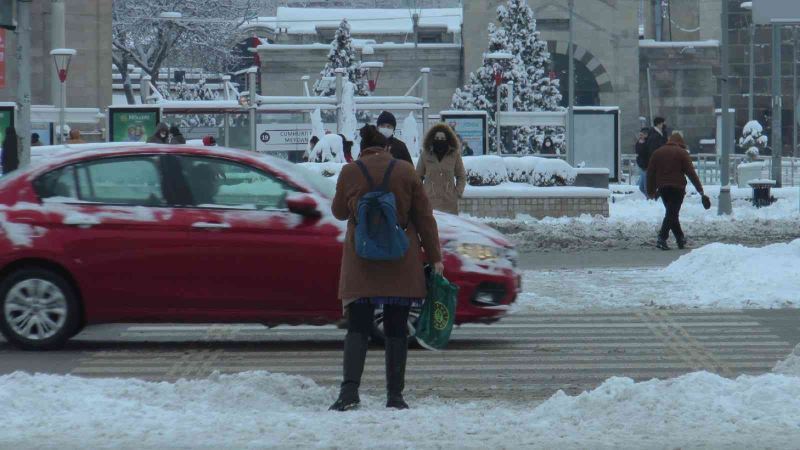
x,y
479,252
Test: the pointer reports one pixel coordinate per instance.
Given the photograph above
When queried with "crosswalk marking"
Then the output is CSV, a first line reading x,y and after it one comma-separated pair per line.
x,y
537,354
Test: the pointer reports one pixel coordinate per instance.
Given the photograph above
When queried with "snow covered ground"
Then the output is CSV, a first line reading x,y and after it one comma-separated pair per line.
x,y
717,276
266,410
634,221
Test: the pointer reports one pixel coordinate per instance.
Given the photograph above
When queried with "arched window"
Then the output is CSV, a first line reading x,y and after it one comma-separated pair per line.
x,y
587,90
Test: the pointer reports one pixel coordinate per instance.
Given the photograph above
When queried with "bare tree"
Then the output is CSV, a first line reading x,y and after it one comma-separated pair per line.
x,y
205,32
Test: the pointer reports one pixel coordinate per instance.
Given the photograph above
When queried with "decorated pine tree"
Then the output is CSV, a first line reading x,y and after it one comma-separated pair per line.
x,y
516,37
342,56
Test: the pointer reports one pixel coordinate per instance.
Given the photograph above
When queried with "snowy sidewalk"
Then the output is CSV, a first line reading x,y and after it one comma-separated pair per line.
x,y
264,410
634,221
717,276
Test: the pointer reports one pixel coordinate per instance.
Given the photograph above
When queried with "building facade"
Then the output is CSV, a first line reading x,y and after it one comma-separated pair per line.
x,y
88,30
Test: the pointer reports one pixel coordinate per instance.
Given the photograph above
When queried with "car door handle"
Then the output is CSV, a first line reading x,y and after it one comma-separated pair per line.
x,y
210,226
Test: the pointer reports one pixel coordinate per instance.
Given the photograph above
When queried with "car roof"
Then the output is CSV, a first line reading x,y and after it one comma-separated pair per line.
x,y
46,157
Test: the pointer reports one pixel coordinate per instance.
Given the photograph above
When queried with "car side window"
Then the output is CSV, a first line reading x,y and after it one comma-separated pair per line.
x,y
218,183
59,184
122,181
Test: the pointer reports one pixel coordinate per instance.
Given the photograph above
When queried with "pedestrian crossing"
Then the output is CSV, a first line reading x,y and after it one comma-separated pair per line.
x,y
523,356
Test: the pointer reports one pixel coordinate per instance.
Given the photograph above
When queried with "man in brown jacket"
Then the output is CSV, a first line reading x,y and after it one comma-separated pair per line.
x,y
394,285
666,177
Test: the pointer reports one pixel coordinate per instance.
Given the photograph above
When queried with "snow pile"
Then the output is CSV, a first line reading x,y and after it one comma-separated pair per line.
x,y
260,410
328,169
485,170
634,222
410,135
791,365
350,124
735,276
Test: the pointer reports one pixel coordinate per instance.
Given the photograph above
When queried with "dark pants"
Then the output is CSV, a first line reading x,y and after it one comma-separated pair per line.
x,y
395,319
673,200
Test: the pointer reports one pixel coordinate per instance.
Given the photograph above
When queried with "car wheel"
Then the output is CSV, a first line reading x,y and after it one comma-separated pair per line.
x,y
38,309
378,335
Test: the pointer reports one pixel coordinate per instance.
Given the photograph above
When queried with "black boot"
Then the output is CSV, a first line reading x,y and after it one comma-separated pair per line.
x,y
396,355
662,244
355,353
682,243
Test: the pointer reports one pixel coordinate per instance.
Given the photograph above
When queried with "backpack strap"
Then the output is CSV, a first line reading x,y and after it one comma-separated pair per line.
x,y
386,176
364,170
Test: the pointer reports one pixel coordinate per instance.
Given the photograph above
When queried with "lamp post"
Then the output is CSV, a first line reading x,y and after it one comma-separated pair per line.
x,y
497,58
571,111
170,17
62,58
725,207
373,70
750,98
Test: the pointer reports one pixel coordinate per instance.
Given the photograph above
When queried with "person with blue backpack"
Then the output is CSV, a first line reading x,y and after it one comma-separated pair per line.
x,y
389,222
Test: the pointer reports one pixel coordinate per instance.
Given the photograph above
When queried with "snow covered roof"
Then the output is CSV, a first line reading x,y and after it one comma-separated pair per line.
x,y
362,21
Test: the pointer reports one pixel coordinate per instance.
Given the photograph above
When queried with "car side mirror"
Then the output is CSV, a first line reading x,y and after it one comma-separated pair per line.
x,y
303,204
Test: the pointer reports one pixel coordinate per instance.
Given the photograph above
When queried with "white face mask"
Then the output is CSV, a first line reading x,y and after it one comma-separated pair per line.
x,y
386,132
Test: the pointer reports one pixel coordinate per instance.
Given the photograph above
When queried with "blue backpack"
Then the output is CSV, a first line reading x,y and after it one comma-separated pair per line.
x,y
378,235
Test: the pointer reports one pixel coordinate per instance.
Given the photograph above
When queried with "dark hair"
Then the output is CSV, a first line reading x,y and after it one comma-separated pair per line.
x,y
313,141
174,130
658,121
371,137
548,139
644,130
35,136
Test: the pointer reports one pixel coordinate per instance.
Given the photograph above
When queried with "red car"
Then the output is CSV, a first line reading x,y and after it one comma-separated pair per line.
x,y
147,233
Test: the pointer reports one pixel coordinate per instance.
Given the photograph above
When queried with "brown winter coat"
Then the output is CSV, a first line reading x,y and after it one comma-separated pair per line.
x,y
444,180
669,166
361,278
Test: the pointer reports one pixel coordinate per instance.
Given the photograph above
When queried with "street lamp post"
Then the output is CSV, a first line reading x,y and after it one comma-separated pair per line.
x,y
751,95
571,111
62,58
496,58
725,207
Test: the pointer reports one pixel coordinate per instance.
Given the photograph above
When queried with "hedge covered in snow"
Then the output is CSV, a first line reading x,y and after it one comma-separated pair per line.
x,y
493,170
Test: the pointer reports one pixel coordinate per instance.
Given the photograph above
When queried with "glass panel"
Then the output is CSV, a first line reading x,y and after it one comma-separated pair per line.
x,y
197,126
122,181
58,184
216,183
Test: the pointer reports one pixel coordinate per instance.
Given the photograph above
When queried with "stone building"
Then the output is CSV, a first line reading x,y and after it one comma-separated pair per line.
x,y
88,30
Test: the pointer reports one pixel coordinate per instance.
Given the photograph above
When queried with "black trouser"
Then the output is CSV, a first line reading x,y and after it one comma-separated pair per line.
x,y
673,200
395,319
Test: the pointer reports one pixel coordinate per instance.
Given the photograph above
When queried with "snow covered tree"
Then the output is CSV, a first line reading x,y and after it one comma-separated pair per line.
x,y
516,36
342,55
204,34
753,137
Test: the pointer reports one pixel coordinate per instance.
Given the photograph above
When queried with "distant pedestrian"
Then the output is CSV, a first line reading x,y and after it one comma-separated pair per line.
x,y
175,136
35,140
396,285
10,157
642,158
547,147
666,177
75,137
209,141
441,168
387,124
161,136
311,144
657,136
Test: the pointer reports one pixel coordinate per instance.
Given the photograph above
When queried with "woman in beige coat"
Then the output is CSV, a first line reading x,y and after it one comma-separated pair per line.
x,y
441,168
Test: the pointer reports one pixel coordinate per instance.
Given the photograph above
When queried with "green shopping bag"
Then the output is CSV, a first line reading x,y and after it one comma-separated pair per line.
x,y
438,313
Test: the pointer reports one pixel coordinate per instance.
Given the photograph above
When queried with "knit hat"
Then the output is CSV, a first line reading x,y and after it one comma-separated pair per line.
x,y
387,118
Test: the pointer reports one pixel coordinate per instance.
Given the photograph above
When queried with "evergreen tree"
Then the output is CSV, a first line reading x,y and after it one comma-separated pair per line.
x,y
527,69
343,56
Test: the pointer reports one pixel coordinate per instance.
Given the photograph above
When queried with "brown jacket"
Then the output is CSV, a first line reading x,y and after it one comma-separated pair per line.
x,y
669,166
361,278
444,180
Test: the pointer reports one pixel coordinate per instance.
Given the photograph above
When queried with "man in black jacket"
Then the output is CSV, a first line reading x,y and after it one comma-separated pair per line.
x,y
386,125
642,158
658,135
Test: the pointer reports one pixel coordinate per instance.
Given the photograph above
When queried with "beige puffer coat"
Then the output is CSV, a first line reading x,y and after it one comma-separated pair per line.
x,y
444,180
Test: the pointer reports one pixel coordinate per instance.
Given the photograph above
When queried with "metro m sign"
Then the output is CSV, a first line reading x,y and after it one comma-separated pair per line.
x,y
768,12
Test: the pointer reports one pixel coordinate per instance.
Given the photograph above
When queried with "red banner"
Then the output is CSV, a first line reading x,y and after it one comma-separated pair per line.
x,y
2,58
